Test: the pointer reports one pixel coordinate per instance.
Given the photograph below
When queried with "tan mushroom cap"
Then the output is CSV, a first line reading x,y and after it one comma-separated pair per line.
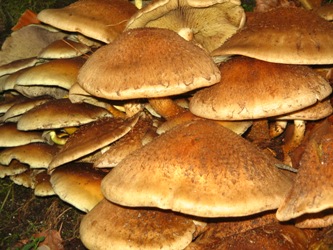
x,y
15,111
312,191
12,137
199,168
208,23
60,113
142,63
18,65
283,35
26,179
109,226
43,185
64,48
15,167
59,72
91,137
251,89
315,220
325,11
317,111
102,20
78,184
36,155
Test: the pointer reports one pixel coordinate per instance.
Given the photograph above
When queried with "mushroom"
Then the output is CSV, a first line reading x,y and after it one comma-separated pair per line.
x,y
198,168
36,155
91,137
123,70
60,113
78,184
11,137
208,23
110,226
102,20
282,35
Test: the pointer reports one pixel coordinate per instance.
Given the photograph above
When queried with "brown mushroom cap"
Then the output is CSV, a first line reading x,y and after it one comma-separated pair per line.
x,y
102,19
64,48
251,89
15,167
36,155
91,137
283,35
144,63
60,113
109,226
59,72
199,168
11,137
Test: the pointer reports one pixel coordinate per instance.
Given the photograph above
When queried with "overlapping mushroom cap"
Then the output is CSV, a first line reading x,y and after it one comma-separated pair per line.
x,y
207,23
251,89
283,35
199,168
102,20
147,62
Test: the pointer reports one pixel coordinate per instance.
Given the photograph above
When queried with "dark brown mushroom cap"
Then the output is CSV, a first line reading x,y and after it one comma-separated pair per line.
x,y
60,113
102,20
109,226
252,89
198,168
312,191
283,35
146,63
271,236
91,137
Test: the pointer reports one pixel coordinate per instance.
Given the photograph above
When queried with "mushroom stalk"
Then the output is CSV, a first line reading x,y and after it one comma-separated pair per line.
x,y
277,128
165,107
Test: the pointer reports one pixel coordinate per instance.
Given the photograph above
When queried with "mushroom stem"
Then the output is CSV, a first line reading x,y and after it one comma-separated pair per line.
x,y
165,107
277,128
138,4
294,141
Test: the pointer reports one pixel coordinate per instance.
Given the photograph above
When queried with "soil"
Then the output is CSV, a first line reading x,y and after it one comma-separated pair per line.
x,y
25,218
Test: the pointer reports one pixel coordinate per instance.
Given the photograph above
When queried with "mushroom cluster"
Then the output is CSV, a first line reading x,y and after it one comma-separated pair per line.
x,y
170,125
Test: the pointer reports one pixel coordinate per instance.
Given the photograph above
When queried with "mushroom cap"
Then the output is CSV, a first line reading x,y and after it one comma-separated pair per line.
x,y
12,137
251,89
91,137
198,168
78,184
60,113
102,20
60,72
283,35
143,63
15,167
312,191
36,155
110,226
208,23
20,108
64,48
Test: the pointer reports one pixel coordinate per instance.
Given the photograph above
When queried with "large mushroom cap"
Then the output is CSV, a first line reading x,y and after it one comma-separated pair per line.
x,y
199,168
109,226
283,35
251,89
102,20
147,62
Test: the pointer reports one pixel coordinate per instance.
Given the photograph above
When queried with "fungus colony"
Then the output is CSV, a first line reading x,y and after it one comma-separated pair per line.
x,y
182,125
